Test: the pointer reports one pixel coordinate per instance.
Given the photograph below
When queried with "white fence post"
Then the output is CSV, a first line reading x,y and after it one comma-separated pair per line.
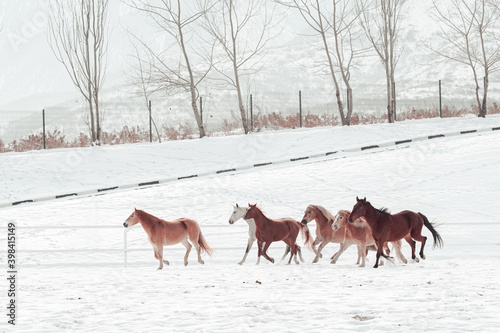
x,y
125,247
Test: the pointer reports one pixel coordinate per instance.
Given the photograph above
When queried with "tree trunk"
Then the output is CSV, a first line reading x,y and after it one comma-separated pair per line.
x,y
483,110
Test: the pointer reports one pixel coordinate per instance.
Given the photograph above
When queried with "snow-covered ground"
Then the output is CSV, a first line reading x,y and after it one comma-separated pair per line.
x,y
454,181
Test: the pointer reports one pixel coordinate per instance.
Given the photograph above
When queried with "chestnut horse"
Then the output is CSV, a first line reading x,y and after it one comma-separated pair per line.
x,y
359,233
324,232
238,213
161,232
388,227
269,231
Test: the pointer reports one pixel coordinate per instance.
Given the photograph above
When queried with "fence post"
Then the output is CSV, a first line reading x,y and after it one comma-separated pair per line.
x,y
43,123
300,108
440,107
125,247
150,125
251,113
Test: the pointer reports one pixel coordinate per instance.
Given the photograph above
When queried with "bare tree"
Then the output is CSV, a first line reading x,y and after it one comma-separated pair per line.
x,y
140,77
382,27
182,75
78,38
469,31
243,44
336,24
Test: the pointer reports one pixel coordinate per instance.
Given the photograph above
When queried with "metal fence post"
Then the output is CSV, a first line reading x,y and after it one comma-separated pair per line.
x,y
251,113
150,123
440,106
43,123
300,108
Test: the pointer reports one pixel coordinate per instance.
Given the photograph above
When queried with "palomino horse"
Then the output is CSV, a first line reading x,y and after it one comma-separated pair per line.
x,y
269,231
324,232
388,227
239,213
359,233
161,232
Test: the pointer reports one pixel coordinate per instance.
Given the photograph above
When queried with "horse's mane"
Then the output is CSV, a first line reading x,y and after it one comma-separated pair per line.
x,y
326,213
384,210
146,217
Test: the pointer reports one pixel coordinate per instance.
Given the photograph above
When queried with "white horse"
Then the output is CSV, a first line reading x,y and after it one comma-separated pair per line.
x,y
239,213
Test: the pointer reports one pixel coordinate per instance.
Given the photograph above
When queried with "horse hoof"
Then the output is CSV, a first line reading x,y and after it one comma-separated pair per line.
x,y
185,263
166,262
315,260
416,259
240,263
159,268
422,256
332,262
320,255
201,262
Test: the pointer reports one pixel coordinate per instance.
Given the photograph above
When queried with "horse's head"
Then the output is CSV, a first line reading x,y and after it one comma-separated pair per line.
x,y
340,219
133,219
359,209
309,214
238,213
252,210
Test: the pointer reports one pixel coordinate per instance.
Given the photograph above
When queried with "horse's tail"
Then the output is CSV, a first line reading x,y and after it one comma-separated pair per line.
x,y
202,242
438,241
194,231
306,234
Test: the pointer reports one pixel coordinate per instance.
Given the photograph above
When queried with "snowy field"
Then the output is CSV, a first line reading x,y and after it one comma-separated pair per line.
x,y
454,181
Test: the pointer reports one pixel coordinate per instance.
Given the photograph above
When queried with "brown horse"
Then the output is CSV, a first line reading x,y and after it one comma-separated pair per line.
x,y
359,233
388,227
269,231
161,232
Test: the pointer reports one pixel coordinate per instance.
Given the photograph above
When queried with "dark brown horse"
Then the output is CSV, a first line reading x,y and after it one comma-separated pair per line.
x,y
269,231
388,227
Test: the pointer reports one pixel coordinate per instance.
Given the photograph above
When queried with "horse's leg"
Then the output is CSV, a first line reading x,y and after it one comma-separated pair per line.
x,y
318,240
159,254
343,247
299,250
260,245
320,248
188,246
251,240
287,250
293,250
362,251
264,251
410,241
397,248
416,234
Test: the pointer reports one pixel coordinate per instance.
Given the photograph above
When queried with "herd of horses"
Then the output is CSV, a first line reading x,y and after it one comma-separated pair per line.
x,y
365,226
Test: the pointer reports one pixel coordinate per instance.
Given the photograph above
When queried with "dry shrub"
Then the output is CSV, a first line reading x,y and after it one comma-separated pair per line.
x,y
126,135
494,109
183,131
3,148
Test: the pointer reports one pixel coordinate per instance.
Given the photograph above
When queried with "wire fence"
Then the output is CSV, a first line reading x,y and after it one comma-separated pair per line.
x,y
127,119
